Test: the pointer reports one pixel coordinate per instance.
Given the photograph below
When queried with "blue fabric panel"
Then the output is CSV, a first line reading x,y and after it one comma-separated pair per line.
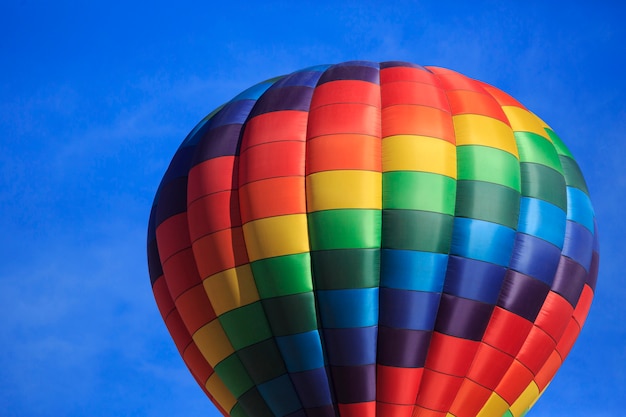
x,y
301,352
542,219
313,387
351,347
280,395
535,257
401,309
306,78
348,308
473,279
578,244
391,64
483,241
579,208
233,113
413,270
254,92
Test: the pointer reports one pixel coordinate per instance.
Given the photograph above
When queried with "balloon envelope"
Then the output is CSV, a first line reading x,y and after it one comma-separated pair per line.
x,y
373,239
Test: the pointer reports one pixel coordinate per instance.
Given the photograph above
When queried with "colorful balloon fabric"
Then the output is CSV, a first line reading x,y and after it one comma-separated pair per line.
x,y
373,239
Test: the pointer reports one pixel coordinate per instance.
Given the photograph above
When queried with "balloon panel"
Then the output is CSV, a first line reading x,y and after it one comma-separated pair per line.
x,y
373,239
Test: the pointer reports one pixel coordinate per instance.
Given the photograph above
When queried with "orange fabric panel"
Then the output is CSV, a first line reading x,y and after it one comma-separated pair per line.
x,y
367,409
425,412
277,126
501,97
417,120
212,176
536,350
343,151
270,160
554,315
226,249
568,338
452,80
506,331
489,365
344,118
172,236
272,197
450,355
195,308
163,297
514,382
345,91
438,390
583,306
392,74
548,370
470,399
178,331
213,212
472,102
397,385
408,92
180,272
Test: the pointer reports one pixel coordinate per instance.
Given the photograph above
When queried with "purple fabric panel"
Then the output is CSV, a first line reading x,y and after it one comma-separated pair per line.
x,y
390,64
569,280
172,199
416,310
535,257
592,276
154,261
179,166
312,387
302,78
233,113
220,141
284,98
298,413
460,317
344,347
350,72
325,411
402,348
354,384
578,243
473,279
523,295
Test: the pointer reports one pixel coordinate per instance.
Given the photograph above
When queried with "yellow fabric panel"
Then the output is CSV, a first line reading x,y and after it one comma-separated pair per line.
x,y
475,129
525,400
276,236
524,121
495,406
218,390
231,288
212,342
337,189
419,153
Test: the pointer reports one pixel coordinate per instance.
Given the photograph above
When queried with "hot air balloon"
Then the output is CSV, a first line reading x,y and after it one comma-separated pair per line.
x,y
373,240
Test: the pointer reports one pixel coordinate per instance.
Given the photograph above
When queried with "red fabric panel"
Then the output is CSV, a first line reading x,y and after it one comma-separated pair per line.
x,y
343,151
272,197
392,74
270,160
211,176
548,370
222,250
163,297
172,236
417,120
344,118
438,390
501,97
506,331
450,355
394,410
536,350
470,399
367,409
181,273
425,412
489,366
452,80
471,102
554,315
397,385
278,126
569,337
346,91
195,308
408,92
217,211
178,331
583,306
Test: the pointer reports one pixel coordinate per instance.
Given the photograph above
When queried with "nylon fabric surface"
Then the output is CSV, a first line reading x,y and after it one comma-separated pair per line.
x,y
373,240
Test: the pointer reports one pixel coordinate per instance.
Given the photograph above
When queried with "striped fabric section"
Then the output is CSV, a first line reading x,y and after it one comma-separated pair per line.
x,y
373,240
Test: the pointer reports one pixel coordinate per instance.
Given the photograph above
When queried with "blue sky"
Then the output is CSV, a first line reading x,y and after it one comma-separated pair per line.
x,y
96,96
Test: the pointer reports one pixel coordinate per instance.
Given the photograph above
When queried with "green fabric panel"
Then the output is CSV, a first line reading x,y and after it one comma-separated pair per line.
x,y
560,147
346,268
233,374
291,314
573,175
417,230
283,275
238,411
539,181
272,365
482,163
508,414
536,149
254,404
344,228
413,190
245,325
488,201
